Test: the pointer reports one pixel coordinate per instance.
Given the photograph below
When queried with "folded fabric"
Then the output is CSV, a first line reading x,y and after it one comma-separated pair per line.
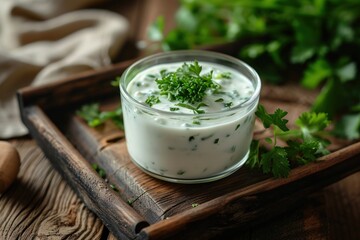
x,y
46,40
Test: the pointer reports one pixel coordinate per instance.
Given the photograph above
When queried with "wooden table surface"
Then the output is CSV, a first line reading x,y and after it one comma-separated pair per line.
x,y
40,205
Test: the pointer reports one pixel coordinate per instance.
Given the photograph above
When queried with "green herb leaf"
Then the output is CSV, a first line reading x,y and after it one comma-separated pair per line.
x,y
223,75
253,160
186,84
151,100
173,109
194,109
116,82
302,153
276,162
311,122
277,118
316,73
348,127
228,104
94,117
347,72
156,29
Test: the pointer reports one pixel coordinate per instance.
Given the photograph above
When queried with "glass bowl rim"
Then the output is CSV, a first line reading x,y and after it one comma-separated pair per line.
x,y
203,53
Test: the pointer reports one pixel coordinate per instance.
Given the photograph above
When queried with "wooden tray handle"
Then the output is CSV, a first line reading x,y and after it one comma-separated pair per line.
x,y
121,219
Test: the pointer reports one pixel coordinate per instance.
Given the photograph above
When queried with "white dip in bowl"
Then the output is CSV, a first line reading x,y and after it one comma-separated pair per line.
x,y
186,140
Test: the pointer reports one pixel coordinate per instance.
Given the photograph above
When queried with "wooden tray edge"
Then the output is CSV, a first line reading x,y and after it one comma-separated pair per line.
x,y
121,219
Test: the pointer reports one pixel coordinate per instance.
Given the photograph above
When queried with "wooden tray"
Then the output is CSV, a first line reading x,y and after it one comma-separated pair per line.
x,y
147,208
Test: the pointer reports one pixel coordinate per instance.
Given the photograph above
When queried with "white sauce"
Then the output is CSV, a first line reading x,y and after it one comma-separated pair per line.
x,y
237,88
189,146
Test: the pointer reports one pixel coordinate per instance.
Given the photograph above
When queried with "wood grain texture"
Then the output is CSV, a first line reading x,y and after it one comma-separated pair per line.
x,y
98,196
40,205
342,203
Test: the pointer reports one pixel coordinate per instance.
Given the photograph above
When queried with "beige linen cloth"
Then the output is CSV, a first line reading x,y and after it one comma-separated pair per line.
x,y
45,40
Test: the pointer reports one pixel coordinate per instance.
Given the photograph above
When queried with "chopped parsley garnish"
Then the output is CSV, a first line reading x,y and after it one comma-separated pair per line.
x,y
102,174
180,172
228,104
206,137
304,144
186,84
196,122
195,109
114,188
173,109
151,76
151,100
223,75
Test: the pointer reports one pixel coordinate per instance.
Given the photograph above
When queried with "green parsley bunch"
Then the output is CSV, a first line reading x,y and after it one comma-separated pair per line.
x,y
305,144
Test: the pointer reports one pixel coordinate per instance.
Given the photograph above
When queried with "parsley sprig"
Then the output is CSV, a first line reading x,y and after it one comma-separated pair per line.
x,y
151,100
94,117
186,84
305,143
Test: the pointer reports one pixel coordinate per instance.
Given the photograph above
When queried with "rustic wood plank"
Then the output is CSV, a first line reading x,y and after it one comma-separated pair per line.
x,y
86,86
40,205
342,203
118,216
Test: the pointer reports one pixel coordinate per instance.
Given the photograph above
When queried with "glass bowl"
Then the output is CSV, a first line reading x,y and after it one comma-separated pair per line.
x,y
188,147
